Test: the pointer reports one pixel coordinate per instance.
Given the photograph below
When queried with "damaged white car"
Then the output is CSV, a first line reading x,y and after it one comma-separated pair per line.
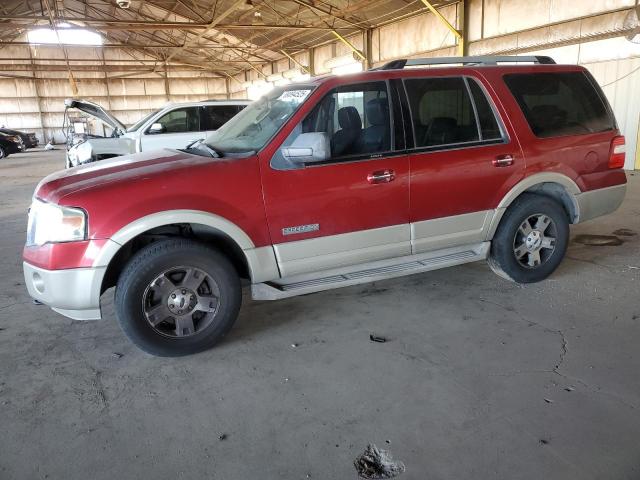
x,y
176,125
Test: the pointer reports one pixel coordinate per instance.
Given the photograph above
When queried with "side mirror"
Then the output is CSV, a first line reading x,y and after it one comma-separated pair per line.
x,y
310,147
156,128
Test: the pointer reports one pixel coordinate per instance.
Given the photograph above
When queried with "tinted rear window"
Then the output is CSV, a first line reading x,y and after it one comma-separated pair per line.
x,y
558,104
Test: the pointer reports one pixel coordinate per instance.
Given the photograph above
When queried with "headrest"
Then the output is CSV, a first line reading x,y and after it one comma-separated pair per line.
x,y
349,118
377,111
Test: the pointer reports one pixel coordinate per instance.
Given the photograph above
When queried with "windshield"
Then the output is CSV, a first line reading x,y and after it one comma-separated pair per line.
x,y
139,123
254,126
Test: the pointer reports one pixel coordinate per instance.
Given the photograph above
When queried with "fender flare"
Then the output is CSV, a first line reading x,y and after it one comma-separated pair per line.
x,y
261,261
531,181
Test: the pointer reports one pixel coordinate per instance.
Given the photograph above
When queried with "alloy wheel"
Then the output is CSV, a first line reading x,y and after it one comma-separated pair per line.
x,y
181,301
535,240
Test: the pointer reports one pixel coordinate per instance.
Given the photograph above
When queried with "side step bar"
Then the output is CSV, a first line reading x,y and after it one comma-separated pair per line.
x,y
371,272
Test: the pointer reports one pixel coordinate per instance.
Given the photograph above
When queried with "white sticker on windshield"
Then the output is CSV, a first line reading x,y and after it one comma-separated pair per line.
x,y
294,95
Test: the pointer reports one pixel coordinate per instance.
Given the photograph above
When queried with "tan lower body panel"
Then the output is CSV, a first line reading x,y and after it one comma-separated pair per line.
x,y
451,231
323,253
602,201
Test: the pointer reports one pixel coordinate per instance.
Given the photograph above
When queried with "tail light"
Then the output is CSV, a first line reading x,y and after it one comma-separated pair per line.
x,y
617,152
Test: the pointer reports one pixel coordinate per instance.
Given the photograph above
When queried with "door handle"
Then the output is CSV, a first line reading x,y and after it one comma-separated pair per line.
x,y
381,176
503,160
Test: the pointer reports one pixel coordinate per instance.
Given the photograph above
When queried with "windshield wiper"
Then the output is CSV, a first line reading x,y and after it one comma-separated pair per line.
x,y
201,146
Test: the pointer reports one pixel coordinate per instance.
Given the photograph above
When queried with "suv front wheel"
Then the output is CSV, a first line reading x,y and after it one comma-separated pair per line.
x,y
177,297
531,239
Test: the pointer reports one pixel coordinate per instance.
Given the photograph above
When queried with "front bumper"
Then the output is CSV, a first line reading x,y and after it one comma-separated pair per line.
x,y
595,203
74,292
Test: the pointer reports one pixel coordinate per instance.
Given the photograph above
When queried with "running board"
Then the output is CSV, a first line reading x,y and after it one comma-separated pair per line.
x,y
370,272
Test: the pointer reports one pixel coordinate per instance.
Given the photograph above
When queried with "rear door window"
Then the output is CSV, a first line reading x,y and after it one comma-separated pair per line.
x,y
217,115
486,117
559,104
442,111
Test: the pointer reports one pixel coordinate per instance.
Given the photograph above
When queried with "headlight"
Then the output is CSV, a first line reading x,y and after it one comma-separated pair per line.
x,y
54,223
83,152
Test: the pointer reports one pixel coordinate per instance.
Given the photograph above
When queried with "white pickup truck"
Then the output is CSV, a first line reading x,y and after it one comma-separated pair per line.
x,y
176,125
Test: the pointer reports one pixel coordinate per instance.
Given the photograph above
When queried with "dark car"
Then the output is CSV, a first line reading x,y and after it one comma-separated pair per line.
x,y
29,139
10,144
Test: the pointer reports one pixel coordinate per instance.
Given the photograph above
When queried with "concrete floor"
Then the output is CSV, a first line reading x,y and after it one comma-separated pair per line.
x,y
479,379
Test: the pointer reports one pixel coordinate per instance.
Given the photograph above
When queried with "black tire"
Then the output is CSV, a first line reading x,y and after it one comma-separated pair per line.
x,y
153,262
3,152
510,240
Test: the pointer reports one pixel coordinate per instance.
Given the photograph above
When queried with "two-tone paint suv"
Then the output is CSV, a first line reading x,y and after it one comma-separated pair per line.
x,y
336,181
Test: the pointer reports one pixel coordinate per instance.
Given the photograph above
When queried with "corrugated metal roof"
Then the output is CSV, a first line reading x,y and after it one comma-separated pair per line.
x,y
225,35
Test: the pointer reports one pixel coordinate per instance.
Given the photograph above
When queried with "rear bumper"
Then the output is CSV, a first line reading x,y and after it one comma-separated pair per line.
x,y
74,293
602,201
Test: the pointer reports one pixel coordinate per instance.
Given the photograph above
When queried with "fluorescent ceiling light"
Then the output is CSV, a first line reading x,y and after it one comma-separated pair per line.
x,y
68,36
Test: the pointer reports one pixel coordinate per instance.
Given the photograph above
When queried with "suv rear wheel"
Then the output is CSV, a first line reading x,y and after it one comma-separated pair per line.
x,y
531,239
177,297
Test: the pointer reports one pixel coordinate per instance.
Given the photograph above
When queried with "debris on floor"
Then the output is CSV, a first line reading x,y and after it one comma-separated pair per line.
x,y
598,240
49,146
376,338
116,355
543,441
222,436
374,463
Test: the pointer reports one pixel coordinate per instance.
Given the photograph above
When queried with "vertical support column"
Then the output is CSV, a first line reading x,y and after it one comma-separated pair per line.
x,y
463,24
38,98
637,162
227,86
368,41
312,62
482,21
167,90
106,81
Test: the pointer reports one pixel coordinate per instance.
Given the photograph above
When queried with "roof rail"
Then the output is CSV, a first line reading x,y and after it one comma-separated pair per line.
x,y
478,60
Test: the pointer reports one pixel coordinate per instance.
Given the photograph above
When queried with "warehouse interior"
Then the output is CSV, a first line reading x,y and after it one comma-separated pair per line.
x,y
158,52
472,377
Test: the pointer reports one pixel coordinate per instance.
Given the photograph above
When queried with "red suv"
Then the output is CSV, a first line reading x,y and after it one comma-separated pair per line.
x,y
337,181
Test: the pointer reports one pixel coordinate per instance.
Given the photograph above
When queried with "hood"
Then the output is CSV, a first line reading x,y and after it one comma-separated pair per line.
x,y
96,111
9,131
136,168
9,137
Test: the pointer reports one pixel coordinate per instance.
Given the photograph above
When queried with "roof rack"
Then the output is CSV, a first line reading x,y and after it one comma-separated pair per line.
x,y
478,60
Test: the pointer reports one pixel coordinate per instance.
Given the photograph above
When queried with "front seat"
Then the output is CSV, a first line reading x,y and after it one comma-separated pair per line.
x,y
344,140
376,137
